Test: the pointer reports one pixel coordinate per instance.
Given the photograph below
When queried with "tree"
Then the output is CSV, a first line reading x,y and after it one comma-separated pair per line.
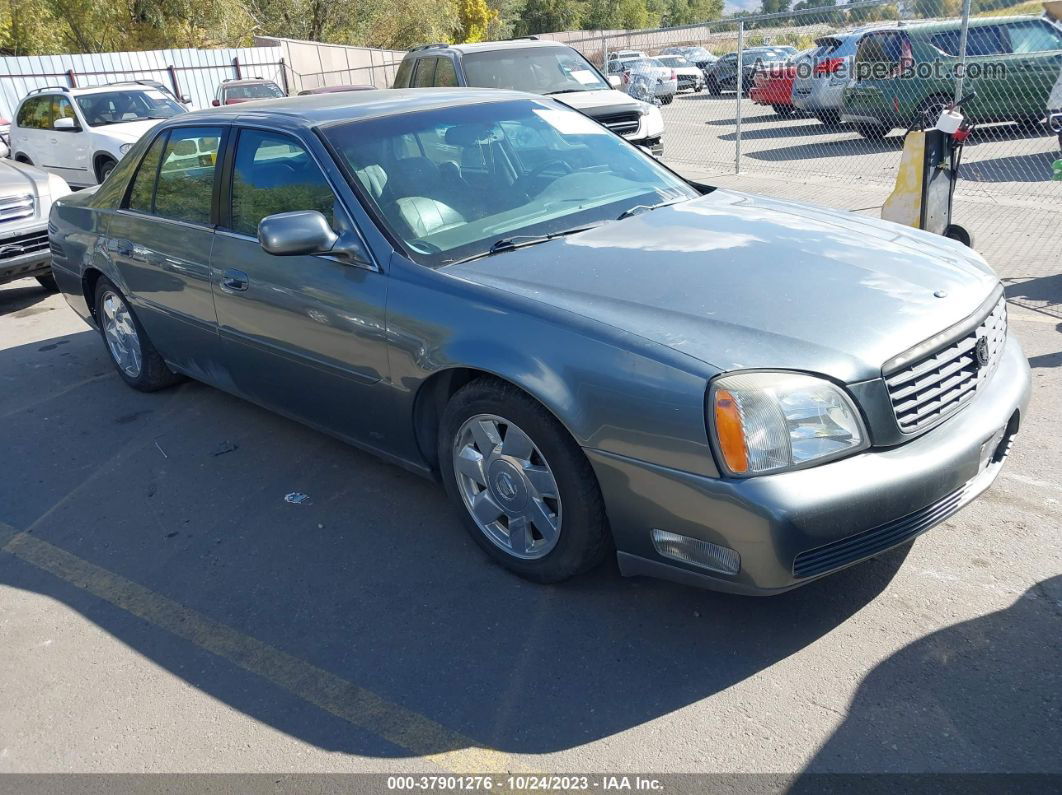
x,y
474,17
547,16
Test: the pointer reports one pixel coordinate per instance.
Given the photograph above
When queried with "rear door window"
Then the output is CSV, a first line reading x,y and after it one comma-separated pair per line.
x,y
987,40
445,74
424,74
36,113
185,186
142,191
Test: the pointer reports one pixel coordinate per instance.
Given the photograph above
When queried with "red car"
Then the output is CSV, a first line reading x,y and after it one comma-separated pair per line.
x,y
773,84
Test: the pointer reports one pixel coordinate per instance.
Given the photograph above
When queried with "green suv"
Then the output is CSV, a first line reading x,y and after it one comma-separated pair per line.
x,y
901,72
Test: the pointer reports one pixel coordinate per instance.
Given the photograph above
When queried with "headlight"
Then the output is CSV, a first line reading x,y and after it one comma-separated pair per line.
x,y
767,422
125,148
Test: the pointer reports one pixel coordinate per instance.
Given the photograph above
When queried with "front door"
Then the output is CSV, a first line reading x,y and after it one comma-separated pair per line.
x,y
161,241
304,335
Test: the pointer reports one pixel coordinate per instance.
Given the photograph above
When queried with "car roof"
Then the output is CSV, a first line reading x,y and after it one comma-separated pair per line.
x,y
247,81
948,25
312,110
82,90
485,46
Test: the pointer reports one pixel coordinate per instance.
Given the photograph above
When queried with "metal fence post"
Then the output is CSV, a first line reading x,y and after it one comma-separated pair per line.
x,y
962,48
604,54
284,75
737,100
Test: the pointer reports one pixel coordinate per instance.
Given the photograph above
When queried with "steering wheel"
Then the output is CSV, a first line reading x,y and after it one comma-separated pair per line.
x,y
534,173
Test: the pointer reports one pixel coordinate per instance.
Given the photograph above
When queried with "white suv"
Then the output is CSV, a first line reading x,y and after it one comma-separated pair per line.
x,y
81,133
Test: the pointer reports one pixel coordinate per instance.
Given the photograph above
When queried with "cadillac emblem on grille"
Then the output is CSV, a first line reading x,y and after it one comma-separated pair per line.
x,y
982,351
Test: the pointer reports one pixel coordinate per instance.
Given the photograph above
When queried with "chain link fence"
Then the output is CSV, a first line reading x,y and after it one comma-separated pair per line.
x,y
814,105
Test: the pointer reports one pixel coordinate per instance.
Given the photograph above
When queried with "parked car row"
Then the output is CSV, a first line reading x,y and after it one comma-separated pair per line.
x,y
882,77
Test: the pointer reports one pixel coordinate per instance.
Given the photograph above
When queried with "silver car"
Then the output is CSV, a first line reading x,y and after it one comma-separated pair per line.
x,y
662,80
819,92
689,75
26,196
593,355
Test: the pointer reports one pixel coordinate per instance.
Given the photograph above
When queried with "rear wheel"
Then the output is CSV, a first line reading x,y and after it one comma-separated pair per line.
x,y
667,99
830,118
133,355
959,233
713,88
872,132
528,495
784,110
930,109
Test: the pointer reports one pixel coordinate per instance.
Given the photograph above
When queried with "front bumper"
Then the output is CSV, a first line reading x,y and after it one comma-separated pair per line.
x,y
23,255
794,527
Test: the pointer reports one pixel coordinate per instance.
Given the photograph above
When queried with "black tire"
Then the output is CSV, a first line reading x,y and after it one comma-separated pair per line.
x,y
104,168
872,132
784,110
931,107
584,538
667,100
153,374
20,158
47,281
714,88
959,233
830,118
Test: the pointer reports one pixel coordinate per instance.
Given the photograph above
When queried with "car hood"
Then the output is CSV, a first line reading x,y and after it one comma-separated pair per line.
x,y
129,131
742,281
18,179
605,100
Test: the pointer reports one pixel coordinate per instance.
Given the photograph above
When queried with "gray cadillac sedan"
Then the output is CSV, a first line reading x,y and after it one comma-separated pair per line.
x,y
591,353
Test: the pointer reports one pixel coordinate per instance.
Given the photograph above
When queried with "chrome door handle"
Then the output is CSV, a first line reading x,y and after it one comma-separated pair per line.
x,y
233,279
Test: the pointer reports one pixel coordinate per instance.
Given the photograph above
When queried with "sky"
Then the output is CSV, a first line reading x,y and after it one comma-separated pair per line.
x,y
740,5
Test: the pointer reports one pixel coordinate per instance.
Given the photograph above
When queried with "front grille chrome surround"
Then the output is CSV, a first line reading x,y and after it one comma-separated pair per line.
x,y
932,387
623,123
17,208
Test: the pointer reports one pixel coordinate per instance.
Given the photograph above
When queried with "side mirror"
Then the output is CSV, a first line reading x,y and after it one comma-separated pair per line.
x,y
306,232
614,81
65,123
216,103
296,233
187,100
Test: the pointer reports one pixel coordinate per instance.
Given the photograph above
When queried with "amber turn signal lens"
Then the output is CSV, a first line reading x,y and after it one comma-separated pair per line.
x,y
730,433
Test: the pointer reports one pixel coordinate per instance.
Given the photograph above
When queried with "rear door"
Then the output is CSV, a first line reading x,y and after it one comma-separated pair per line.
x,y
1035,64
161,241
302,334
33,126
69,148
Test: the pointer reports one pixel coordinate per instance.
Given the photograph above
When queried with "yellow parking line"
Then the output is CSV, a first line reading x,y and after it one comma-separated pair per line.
x,y
403,727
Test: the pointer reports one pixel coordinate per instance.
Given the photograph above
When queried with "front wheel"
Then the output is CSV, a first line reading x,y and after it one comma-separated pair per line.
x,y
714,88
106,166
872,132
133,355
528,495
667,99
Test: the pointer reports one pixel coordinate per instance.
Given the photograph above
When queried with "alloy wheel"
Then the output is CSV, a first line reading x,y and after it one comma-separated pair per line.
x,y
507,486
120,332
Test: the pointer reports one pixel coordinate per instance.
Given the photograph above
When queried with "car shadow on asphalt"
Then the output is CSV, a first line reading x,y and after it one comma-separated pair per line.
x,y
19,301
849,147
1015,168
809,127
979,696
372,578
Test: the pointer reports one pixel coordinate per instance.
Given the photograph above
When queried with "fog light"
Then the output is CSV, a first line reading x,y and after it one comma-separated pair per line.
x,y
696,552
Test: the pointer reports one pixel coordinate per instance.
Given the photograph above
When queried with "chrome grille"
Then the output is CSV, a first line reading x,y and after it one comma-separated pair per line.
x,y
29,243
15,208
621,123
926,391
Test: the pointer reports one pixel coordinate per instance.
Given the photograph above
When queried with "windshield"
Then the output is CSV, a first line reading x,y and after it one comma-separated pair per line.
x,y
673,60
539,70
253,91
119,107
452,182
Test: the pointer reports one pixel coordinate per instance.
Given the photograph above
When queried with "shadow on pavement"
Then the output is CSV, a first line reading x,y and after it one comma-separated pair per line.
x,y
851,147
1016,168
808,127
373,580
961,699
19,298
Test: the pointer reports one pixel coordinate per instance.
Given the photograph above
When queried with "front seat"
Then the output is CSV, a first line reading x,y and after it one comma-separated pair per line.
x,y
424,216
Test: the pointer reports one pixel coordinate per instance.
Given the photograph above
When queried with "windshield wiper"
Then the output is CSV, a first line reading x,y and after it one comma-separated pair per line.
x,y
522,241
638,209
566,91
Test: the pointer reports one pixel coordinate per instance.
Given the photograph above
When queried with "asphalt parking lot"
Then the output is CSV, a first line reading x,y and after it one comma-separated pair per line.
x,y
1007,160
164,609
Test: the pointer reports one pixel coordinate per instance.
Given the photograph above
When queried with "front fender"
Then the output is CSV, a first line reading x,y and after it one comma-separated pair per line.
x,y
612,390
